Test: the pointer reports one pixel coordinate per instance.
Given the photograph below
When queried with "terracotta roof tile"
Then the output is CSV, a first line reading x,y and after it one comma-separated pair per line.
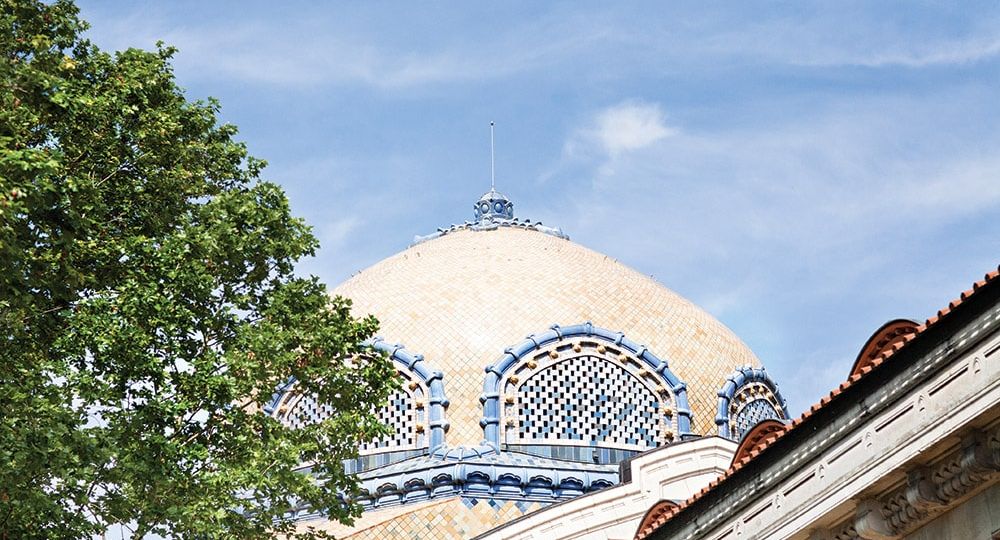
x,y
854,378
891,334
655,516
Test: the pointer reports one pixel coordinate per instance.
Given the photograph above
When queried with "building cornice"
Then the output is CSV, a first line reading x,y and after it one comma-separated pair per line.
x,y
850,415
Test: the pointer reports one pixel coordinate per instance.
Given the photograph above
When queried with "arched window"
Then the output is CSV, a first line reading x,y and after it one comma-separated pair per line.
x,y
415,412
748,397
583,387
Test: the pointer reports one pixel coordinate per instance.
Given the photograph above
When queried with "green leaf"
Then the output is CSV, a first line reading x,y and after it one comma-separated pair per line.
x,y
148,301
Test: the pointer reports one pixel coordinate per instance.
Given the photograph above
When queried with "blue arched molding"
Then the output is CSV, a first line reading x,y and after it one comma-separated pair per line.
x,y
415,365
477,473
434,379
740,378
513,355
484,482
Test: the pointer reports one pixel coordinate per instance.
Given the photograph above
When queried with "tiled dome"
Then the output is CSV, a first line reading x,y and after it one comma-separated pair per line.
x,y
532,368
462,298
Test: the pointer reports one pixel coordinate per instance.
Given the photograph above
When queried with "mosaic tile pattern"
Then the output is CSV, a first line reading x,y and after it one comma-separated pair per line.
x,y
306,411
750,415
402,414
589,400
510,459
450,519
463,298
587,367
398,414
752,402
738,411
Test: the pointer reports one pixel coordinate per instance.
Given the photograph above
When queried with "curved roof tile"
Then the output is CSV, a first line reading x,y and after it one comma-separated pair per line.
x,y
856,376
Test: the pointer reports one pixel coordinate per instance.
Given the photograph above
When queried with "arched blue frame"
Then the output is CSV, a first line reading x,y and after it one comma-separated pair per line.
x,y
740,378
414,364
513,355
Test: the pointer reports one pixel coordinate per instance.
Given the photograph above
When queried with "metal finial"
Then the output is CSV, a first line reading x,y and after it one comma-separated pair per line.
x,y
492,162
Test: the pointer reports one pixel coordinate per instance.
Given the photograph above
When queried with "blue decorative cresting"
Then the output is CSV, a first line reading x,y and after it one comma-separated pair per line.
x,y
520,357
480,473
492,211
411,364
493,205
748,396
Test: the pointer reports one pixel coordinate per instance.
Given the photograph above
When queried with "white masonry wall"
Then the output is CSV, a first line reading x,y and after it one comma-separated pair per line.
x,y
672,472
942,412
978,518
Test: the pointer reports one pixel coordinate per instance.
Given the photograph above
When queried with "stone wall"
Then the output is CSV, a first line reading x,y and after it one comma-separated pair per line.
x,y
978,518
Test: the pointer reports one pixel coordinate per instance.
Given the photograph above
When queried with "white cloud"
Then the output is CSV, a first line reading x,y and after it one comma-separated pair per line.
x,y
630,125
786,200
912,56
819,35
335,232
784,225
617,130
315,51
962,187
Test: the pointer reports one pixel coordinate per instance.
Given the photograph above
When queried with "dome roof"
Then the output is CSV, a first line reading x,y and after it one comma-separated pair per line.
x,y
460,299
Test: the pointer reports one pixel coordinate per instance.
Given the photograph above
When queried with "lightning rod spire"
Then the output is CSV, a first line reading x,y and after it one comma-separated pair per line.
x,y
492,160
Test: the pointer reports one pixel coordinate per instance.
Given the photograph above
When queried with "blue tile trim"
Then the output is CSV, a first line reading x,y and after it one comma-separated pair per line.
x,y
740,378
437,403
513,355
479,474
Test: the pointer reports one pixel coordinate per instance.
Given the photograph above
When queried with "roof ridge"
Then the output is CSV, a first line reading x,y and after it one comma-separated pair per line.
x,y
492,224
857,375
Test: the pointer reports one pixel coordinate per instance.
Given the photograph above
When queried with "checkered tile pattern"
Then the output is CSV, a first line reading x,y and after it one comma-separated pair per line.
x,y
305,411
750,415
399,414
752,402
590,400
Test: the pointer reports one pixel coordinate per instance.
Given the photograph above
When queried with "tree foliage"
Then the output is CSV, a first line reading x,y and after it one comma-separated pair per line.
x,y
149,305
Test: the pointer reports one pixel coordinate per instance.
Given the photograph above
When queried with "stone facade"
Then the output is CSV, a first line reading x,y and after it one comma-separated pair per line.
x,y
671,472
907,447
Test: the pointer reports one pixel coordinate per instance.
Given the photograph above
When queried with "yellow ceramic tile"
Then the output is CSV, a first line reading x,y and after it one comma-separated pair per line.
x,y
461,299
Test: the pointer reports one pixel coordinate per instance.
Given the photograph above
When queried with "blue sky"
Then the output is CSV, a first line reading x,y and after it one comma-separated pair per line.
x,y
804,172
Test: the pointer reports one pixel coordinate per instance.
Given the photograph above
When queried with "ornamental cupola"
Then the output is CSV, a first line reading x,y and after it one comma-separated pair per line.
x,y
493,206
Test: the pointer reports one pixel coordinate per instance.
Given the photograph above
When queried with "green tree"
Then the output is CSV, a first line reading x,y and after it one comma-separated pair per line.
x,y
149,305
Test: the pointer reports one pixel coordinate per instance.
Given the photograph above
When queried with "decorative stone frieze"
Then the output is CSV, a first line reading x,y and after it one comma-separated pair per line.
x,y
928,491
